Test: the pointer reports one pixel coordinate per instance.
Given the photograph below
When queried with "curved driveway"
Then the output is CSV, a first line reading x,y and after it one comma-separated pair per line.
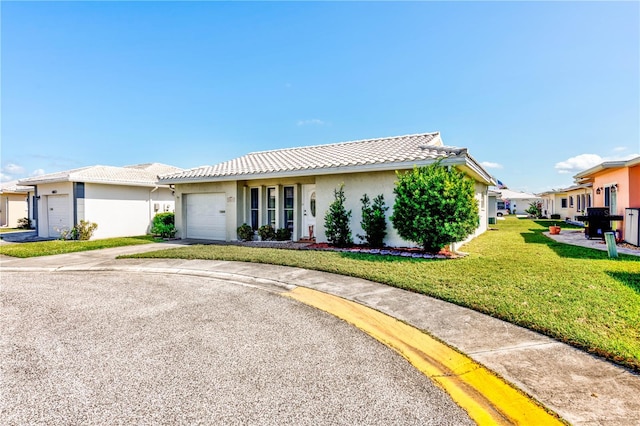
x,y
126,347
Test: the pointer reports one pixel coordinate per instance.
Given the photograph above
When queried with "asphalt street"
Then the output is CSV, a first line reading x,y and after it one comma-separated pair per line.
x,y
136,348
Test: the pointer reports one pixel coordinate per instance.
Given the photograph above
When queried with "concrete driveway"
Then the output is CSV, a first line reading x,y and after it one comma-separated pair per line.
x,y
134,348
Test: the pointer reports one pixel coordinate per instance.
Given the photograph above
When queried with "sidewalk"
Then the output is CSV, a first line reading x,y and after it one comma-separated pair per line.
x,y
582,389
576,237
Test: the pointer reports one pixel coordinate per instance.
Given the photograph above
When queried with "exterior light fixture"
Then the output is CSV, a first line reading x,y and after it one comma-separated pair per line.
x,y
598,191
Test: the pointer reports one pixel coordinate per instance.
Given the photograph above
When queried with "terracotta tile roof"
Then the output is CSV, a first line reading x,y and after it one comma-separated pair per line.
x,y
413,149
140,174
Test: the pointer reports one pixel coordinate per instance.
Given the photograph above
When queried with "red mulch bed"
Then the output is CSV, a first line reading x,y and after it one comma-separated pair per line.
x,y
412,252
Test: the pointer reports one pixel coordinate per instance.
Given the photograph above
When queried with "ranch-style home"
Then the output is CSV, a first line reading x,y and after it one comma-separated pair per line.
x,y
121,200
294,187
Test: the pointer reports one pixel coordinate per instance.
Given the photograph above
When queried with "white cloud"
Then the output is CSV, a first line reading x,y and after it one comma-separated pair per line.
x,y
5,178
582,162
37,172
578,163
13,169
313,121
620,148
490,165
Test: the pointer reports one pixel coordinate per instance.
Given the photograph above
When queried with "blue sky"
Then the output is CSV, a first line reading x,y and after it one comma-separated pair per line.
x,y
537,91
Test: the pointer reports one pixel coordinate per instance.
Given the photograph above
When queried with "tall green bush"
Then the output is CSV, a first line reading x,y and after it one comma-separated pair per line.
x,y
374,221
535,209
164,225
434,206
336,221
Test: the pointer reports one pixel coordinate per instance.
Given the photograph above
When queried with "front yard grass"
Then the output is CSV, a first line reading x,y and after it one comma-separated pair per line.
x,y
46,248
4,230
574,294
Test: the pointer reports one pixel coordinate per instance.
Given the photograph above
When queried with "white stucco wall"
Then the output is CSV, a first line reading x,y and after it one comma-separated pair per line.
x,y
119,210
355,186
122,211
373,184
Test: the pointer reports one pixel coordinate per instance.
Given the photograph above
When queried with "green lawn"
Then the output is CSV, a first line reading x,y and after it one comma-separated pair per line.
x,y
574,294
46,248
3,230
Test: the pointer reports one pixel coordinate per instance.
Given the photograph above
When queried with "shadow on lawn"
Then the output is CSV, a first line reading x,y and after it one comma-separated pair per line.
x,y
548,222
629,279
566,250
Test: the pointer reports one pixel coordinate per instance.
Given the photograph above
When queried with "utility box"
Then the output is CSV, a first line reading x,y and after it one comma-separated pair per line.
x,y
632,226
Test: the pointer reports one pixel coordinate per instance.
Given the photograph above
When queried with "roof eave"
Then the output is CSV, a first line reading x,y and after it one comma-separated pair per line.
x,y
462,160
94,181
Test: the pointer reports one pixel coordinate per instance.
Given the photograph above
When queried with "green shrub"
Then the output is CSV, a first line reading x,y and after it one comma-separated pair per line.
x,y
82,231
283,234
164,225
245,232
24,223
267,233
434,206
336,221
374,222
535,209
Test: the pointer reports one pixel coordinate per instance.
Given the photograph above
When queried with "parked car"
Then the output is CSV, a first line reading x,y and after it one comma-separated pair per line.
x,y
503,212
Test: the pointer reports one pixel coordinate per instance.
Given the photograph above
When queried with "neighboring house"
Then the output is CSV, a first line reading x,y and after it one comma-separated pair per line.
x,y
492,203
15,204
294,187
616,184
567,202
121,200
515,202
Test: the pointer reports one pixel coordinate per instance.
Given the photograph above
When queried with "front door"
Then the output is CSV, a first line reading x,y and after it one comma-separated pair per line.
x,y
308,211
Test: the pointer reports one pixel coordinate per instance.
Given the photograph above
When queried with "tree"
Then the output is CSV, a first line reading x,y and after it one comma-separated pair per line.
x,y
336,221
535,209
374,222
434,206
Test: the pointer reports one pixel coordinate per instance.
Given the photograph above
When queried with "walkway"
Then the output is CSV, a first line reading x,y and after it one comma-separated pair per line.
x,y
576,237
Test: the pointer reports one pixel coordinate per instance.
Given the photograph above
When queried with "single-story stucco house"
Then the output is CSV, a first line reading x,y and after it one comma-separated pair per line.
x,y
517,202
121,200
294,187
567,202
15,204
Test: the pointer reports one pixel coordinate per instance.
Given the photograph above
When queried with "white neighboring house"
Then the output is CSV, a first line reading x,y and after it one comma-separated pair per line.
x,y
517,201
121,200
294,187
15,203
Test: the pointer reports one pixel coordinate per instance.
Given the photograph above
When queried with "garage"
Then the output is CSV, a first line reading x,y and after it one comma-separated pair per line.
x,y
57,214
206,216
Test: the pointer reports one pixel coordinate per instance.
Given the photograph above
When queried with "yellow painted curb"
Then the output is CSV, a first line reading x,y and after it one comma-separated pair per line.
x,y
487,399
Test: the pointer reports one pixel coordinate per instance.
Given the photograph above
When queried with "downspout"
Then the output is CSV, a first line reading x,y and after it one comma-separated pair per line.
x,y
151,214
36,211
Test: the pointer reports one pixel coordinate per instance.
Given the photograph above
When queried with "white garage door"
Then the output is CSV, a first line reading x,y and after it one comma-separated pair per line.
x,y
57,214
206,216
